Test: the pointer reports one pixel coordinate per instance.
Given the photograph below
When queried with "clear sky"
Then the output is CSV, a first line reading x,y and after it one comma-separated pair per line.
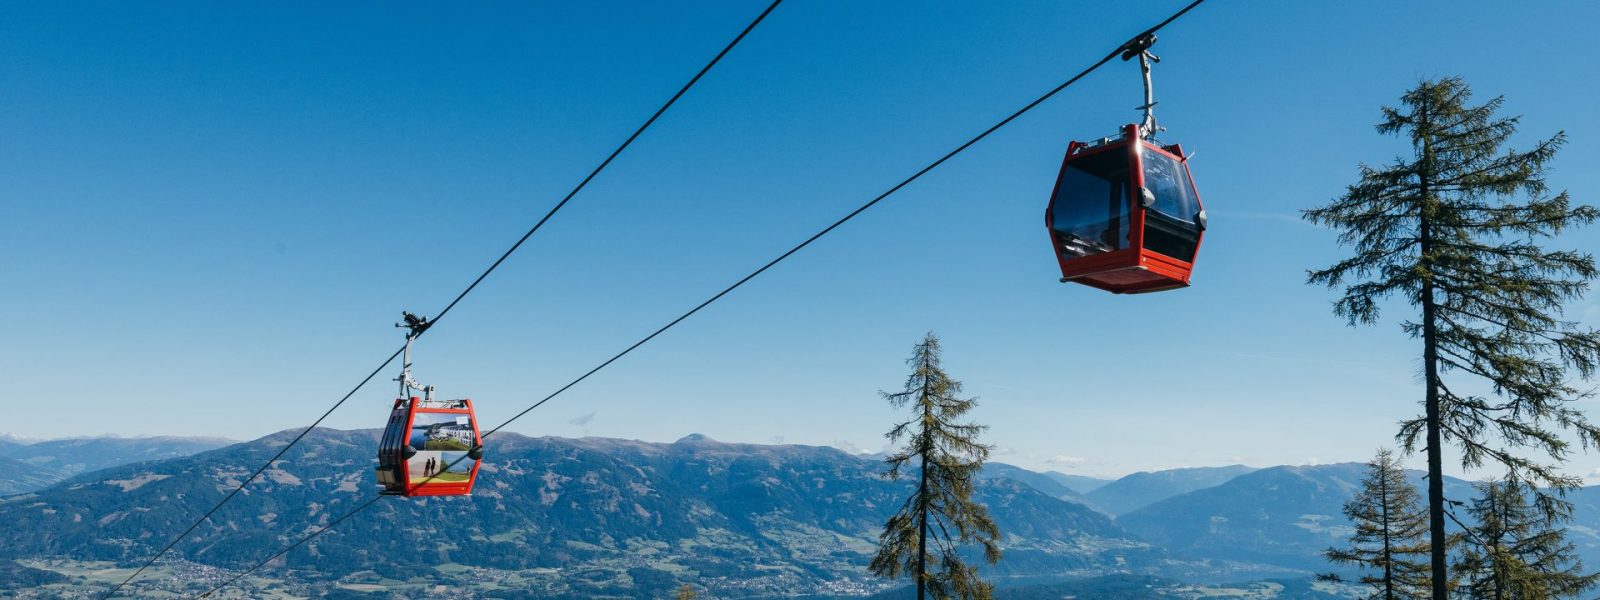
x,y
211,214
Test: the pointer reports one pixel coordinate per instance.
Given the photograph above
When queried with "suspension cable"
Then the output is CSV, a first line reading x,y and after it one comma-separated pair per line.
x,y
842,220
496,264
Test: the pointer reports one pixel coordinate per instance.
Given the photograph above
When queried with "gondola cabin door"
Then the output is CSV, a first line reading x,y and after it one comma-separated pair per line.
x,y
429,448
1124,216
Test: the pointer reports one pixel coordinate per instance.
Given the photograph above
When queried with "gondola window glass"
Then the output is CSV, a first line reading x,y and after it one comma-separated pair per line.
x,y
1167,180
391,432
1090,209
1169,225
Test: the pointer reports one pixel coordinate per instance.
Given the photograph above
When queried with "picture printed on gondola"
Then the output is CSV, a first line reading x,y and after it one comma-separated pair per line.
x,y
442,441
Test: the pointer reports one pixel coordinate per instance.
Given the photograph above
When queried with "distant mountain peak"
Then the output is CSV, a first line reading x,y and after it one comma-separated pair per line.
x,y
695,438
1144,488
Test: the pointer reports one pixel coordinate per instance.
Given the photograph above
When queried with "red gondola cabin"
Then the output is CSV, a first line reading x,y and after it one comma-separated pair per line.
x,y
430,448
1124,216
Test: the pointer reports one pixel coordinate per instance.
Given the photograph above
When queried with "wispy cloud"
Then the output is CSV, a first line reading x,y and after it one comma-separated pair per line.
x,y
1226,216
847,446
583,421
1592,477
1066,461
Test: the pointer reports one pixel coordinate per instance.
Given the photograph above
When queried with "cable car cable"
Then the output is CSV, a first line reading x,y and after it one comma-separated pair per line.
x,y
863,208
352,512
897,187
496,264
252,477
297,544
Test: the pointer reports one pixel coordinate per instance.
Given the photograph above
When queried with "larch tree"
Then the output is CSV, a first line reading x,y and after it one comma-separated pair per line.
x,y
1390,542
1516,551
923,538
685,592
1455,229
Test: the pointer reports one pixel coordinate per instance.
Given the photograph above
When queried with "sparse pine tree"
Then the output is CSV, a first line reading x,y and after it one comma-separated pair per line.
x,y
923,539
686,592
1516,551
1390,543
1454,229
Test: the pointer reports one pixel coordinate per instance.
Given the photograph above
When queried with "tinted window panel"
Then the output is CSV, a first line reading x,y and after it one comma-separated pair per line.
x,y
1090,210
1170,223
1166,178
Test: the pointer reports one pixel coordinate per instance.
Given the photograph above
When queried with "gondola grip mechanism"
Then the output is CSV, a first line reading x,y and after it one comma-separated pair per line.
x,y
1140,47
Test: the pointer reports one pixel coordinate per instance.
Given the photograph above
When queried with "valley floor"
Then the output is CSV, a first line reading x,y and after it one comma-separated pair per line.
x,y
181,579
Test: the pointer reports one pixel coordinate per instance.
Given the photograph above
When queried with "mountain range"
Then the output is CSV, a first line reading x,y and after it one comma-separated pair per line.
x,y
591,517
1142,489
566,518
26,466
1081,484
1042,482
1282,516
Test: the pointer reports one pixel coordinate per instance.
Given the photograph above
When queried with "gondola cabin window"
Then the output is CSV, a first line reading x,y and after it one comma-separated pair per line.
x,y
1091,204
1170,226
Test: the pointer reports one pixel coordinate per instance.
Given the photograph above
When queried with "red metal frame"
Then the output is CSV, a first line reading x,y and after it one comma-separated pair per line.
x,y
1134,269
423,487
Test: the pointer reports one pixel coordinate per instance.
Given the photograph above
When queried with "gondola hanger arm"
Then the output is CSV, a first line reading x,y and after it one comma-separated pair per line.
x,y
1140,47
415,326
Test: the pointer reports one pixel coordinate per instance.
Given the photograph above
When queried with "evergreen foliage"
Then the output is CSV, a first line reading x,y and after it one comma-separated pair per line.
x,y
1455,229
1390,543
940,515
1515,551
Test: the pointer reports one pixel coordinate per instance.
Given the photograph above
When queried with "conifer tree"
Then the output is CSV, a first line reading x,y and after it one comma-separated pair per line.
x,y
923,538
685,592
1390,543
1516,551
1455,230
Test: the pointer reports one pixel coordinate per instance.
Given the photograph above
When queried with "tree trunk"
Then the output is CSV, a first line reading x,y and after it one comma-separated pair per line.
x,y
1494,547
1388,548
1430,365
922,534
1435,457
922,489
1435,462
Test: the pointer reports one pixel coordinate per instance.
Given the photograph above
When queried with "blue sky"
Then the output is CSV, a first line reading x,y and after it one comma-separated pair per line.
x,y
210,215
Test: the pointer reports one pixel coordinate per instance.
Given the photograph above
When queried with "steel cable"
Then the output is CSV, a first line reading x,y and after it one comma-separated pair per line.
x,y
842,220
496,264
